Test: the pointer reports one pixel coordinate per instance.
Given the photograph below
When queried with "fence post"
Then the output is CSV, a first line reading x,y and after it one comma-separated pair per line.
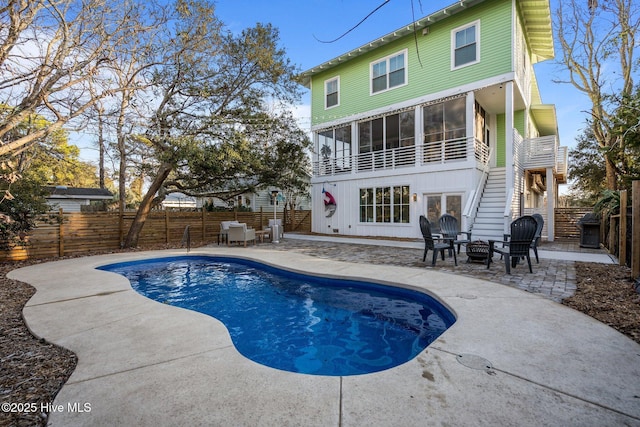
x,y
611,245
121,227
622,237
635,230
204,223
61,233
166,226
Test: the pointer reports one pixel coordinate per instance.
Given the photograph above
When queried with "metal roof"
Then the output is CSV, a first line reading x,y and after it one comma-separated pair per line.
x,y
536,16
62,191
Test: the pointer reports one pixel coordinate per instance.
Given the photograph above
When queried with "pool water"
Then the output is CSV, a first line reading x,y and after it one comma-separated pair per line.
x,y
296,322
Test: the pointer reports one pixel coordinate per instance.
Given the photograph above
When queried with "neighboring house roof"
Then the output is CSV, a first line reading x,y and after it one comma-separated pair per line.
x,y
536,16
63,192
175,200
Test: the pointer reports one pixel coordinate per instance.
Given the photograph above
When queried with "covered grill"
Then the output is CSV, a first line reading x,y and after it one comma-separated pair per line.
x,y
589,226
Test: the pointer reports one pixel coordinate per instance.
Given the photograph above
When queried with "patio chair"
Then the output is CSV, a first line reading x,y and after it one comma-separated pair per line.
x,y
449,229
435,244
523,231
536,240
240,233
224,230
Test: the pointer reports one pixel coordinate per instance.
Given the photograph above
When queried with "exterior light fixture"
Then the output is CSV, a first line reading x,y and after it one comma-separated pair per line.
x,y
415,197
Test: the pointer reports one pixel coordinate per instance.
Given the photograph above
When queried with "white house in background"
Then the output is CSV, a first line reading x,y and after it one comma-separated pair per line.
x,y
179,201
71,199
254,201
441,115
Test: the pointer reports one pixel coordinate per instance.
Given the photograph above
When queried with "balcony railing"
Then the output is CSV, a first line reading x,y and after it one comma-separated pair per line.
x,y
562,163
545,152
431,153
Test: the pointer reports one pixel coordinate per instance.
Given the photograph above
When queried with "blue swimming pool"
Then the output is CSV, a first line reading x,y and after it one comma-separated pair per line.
x,y
296,322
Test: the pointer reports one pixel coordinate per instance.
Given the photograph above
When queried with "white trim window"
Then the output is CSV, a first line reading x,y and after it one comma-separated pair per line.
x,y
388,73
465,45
385,204
332,93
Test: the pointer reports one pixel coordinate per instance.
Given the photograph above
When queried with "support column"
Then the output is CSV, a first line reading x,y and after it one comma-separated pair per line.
x,y
418,131
551,205
471,124
509,163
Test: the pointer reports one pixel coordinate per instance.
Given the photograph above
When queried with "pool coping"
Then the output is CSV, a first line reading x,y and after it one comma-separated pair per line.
x,y
510,358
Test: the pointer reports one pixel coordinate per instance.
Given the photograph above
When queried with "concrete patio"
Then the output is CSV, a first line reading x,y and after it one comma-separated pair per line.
x,y
511,358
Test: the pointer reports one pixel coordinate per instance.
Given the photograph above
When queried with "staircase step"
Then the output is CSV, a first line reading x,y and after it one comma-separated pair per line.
x,y
488,221
490,213
493,203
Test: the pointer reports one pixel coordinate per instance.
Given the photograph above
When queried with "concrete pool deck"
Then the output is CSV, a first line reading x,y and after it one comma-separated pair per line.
x,y
511,358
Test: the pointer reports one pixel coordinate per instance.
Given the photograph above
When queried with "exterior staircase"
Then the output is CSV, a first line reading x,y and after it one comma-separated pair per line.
x,y
489,221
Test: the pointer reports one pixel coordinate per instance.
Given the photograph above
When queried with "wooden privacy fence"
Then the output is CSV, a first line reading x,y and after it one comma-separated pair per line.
x,y
566,222
72,233
620,234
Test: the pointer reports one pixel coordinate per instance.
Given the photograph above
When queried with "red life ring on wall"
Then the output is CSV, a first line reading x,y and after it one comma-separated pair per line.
x,y
329,203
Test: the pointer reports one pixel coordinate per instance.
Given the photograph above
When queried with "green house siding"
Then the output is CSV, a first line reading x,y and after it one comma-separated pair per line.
x,y
429,68
501,141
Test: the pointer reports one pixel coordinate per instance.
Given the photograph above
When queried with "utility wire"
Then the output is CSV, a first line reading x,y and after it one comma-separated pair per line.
x,y
415,30
355,26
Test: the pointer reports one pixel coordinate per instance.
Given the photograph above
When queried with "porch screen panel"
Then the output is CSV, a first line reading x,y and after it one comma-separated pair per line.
x,y
433,131
326,144
455,122
393,131
407,156
377,142
365,161
343,148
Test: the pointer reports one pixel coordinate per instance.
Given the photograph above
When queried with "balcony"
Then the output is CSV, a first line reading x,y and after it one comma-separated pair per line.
x,y
431,153
544,152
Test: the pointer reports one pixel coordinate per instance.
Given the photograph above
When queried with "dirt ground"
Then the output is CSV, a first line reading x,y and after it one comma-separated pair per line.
x,y
32,371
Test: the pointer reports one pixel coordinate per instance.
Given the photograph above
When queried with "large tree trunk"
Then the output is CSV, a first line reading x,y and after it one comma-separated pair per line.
x,y
145,206
611,175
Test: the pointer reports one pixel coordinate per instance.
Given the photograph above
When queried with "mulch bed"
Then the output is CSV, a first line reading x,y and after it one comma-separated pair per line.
x,y
605,292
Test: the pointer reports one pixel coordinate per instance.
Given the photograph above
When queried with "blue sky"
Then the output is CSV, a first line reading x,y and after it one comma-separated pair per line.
x,y
303,23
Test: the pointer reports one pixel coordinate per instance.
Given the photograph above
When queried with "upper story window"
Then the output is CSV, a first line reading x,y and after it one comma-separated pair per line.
x,y
465,45
389,72
332,92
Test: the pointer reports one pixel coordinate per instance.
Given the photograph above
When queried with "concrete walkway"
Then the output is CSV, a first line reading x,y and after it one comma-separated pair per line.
x,y
511,358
